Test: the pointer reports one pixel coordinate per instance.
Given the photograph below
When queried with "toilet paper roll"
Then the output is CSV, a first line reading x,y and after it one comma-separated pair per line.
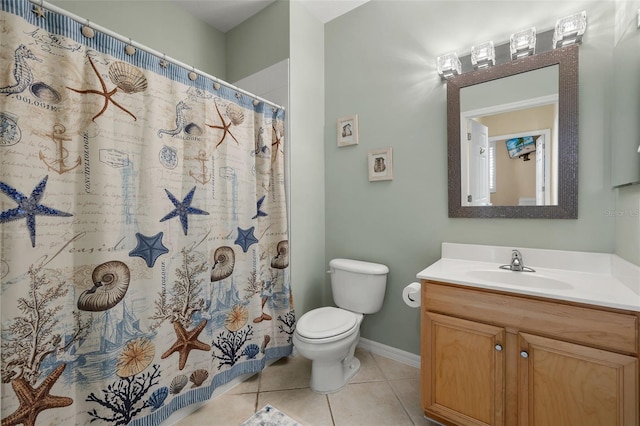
x,y
411,295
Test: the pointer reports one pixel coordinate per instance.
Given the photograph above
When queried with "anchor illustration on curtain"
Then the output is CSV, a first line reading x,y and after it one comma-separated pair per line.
x,y
144,257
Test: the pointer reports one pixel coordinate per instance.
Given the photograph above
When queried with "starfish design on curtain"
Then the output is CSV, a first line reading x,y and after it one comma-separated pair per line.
x,y
183,209
225,127
108,95
260,212
246,238
39,11
28,207
276,143
186,342
34,401
149,248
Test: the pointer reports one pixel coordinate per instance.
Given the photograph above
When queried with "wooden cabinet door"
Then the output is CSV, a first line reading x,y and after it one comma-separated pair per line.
x,y
564,384
463,371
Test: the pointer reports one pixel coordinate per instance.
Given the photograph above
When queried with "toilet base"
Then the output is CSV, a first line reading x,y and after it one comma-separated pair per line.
x,y
331,377
333,363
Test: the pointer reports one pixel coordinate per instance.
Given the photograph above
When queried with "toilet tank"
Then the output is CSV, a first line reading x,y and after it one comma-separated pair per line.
x,y
358,286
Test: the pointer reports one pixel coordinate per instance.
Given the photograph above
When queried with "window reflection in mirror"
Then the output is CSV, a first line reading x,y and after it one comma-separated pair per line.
x,y
509,140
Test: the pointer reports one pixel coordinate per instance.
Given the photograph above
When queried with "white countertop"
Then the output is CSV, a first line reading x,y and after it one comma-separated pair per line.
x,y
593,278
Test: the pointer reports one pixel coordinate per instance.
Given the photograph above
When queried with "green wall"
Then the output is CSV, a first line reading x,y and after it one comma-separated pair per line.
x,y
259,42
306,145
627,217
380,64
161,26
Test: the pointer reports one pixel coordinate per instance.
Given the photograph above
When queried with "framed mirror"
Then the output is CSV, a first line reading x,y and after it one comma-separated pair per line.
x,y
625,128
512,134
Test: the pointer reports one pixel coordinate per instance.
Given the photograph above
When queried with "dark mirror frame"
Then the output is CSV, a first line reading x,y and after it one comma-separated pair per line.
x,y
567,208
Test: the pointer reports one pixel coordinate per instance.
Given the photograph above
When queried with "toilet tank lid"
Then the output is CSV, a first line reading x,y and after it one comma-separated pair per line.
x,y
359,266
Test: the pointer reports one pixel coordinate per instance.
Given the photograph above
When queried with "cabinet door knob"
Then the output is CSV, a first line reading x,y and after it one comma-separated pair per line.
x,y
498,347
524,354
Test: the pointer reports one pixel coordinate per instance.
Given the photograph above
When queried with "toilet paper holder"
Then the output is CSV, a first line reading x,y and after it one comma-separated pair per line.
x,y
411,295
414,295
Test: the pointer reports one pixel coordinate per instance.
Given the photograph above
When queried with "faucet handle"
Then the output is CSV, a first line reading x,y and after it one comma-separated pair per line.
x,y
516,260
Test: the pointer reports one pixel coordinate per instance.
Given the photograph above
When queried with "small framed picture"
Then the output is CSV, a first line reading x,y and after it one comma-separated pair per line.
x,y
348,130
380,164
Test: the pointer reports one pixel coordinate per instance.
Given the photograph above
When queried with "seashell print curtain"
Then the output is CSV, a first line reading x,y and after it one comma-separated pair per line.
x,y
143,233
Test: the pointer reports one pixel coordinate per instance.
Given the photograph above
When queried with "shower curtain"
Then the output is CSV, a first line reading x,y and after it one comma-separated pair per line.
x,y
143,232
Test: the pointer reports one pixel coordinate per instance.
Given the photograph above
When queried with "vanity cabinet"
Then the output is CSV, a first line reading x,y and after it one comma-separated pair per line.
x,y
494,358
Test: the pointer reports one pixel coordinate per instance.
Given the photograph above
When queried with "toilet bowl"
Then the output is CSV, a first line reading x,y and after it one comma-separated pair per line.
x,y
328,336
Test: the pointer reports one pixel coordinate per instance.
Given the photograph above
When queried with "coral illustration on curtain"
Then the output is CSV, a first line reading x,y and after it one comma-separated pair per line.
x,y
143,234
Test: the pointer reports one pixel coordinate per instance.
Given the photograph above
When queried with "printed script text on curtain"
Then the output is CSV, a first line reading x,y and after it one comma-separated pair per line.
x,y
143,233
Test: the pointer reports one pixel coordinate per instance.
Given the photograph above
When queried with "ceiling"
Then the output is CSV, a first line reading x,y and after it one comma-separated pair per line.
x,y
226,14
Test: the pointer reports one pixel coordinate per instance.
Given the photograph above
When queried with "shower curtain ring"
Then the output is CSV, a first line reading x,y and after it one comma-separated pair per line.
x,y
129,48
163,61
87,31
192,75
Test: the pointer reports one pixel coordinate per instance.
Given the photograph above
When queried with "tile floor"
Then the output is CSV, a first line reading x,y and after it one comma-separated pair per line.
x,y
384,392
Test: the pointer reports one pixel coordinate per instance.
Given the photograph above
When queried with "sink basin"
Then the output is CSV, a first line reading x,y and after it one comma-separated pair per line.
x,y
520,279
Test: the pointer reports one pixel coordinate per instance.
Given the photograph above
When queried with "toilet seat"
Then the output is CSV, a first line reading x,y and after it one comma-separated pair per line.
x,y
327,324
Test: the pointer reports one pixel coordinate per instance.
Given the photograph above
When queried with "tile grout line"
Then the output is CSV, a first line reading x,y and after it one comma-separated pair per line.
x,y
333,421
258,392
400,400
392,389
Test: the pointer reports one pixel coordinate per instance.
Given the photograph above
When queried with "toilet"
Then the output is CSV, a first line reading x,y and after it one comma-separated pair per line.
x,y
328,336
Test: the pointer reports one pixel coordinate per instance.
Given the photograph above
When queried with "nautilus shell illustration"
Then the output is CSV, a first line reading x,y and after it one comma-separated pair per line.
x,y
110,284
224,260
235,113
127,77
281,260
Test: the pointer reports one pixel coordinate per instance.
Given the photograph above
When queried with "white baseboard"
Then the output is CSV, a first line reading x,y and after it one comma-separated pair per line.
x,y
389,352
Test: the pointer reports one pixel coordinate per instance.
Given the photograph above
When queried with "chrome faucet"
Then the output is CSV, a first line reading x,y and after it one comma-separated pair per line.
x,y
517,263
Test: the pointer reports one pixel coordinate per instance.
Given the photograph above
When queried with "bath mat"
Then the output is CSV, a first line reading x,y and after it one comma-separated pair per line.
x,y
270,416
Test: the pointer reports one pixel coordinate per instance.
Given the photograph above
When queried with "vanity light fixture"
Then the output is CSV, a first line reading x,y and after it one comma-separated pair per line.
x,y
483,55
569,30
449,65
523,43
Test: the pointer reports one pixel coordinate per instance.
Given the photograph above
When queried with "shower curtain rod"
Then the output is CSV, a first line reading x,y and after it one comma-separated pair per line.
x,y
96,27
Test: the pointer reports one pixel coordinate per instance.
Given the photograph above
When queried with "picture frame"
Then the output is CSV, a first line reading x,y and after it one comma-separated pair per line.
x,y
380,164
347,130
